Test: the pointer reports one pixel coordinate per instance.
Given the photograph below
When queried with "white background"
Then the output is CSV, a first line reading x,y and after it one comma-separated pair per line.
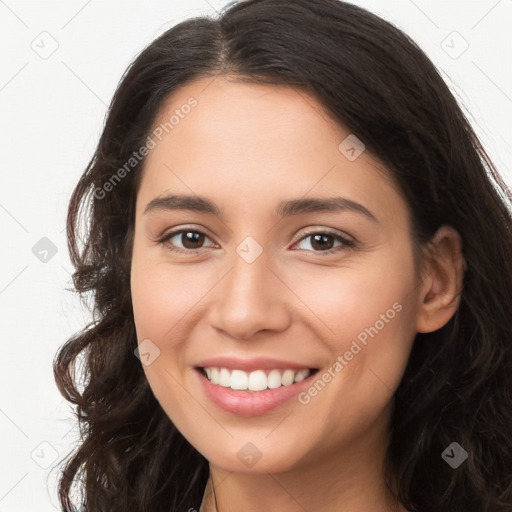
x,y
51,114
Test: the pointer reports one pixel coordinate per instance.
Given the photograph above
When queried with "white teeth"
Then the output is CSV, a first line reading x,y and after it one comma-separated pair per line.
x,y
301,375
257,380
225,377
288,377
239,379
274,379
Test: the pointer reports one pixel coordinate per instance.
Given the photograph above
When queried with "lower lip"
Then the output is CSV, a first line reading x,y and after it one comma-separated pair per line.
x,y
246,403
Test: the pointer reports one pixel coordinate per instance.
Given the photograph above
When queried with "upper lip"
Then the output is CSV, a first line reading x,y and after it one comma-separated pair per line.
x,y
248,365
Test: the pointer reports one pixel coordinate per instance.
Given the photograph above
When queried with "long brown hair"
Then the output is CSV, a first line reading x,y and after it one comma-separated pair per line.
x,y
377,82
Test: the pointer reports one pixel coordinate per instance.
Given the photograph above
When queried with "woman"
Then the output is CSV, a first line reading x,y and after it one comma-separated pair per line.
x,y
300,260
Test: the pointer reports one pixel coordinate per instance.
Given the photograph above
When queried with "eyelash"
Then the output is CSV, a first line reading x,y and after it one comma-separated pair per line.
x,y
346,243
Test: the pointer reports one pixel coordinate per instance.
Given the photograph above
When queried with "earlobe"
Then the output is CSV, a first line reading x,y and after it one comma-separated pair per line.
x,y
441,288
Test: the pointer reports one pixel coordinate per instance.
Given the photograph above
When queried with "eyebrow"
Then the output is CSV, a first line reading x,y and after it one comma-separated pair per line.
x,y
286,208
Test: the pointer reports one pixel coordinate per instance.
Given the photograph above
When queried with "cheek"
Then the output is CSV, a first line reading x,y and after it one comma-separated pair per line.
x,y
166,300
349,300
367,317
160,304
368,323
162,295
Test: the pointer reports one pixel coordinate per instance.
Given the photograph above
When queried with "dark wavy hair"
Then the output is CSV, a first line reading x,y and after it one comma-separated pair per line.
x,y
377,82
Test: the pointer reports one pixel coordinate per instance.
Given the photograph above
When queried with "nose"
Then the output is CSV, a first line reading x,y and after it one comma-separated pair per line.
x,y
251,297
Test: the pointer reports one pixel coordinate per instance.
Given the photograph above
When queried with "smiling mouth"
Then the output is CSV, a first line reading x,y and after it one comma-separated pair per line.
x,y
257,380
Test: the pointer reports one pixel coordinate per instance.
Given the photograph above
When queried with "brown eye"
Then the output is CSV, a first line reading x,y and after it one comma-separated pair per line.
x,y
324,242
184,240
192,239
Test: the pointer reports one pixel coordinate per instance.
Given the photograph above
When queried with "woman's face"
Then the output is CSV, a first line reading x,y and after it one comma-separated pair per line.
x,y
259,284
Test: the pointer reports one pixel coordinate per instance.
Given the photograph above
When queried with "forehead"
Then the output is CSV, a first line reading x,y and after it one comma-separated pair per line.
x,y
253,144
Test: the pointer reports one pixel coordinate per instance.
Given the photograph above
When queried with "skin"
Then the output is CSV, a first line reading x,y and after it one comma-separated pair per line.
x,y
247,147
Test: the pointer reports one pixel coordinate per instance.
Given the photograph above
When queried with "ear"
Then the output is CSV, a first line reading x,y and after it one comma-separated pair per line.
x,y
441,287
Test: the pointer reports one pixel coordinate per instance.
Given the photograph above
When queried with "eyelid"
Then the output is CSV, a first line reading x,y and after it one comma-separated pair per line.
x,y
183,229
346,241
326,231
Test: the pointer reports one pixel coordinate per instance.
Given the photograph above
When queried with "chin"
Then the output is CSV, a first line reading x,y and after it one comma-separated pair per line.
x,y
253,457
